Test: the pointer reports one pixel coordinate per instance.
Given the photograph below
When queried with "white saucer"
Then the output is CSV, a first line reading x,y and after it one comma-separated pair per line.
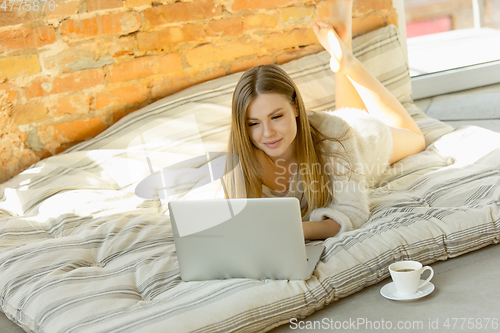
x,y
389,291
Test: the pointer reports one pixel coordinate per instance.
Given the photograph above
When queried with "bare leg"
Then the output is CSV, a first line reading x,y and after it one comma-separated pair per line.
x,y
379,101
346,96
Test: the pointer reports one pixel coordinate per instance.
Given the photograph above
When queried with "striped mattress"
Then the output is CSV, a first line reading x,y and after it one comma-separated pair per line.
x,y
80,252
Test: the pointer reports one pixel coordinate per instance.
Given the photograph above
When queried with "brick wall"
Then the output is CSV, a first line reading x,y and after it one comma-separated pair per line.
x,y
69,72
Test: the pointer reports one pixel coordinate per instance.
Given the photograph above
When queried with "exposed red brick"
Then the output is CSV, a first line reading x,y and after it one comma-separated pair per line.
x,y
112,24
289,55
36,88
29,113
294,14
122,97
368,6
117,47
81,28
294,38
75,81
213,53
162,39
144,67
10,91
120,114
322,11
362,25
161,87
76,103
182,12
15,16
12,67
78,81
258,4
137,3
26,38
169,84
243,65
93,5
260,21
131,70
61,60
170,63
225,27
63,10
78,130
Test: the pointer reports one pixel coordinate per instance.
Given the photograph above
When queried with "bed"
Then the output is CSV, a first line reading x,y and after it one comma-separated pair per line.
x,y
81,252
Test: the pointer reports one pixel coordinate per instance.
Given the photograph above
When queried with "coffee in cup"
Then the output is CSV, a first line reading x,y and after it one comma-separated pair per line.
x,y
406,276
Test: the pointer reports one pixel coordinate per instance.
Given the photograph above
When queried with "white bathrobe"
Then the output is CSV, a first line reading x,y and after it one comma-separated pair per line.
x,y
367,142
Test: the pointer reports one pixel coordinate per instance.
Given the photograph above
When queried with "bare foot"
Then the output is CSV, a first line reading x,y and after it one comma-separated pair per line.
x,y
341,19
330,40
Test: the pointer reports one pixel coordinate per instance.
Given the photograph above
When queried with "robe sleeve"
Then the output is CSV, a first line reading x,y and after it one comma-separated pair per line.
x,y
347,180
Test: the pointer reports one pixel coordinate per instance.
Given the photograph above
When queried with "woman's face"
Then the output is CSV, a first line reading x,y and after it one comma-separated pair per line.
x,y
272,126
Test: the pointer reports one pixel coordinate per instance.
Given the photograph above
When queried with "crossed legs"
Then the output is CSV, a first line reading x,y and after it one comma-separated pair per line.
x,y
355,87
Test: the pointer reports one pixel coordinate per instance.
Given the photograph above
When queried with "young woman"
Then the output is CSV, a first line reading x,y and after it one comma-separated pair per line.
x,y
325,159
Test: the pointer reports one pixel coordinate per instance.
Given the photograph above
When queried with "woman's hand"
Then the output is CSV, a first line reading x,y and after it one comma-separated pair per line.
x,y
320,229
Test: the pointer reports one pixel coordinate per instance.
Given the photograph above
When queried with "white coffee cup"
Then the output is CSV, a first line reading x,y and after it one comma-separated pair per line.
x,y
406,276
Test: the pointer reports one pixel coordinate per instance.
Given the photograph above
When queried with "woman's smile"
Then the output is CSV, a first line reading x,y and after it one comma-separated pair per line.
x,y
273,144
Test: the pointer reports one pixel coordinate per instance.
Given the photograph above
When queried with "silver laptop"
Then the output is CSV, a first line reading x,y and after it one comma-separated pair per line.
x,y
242,238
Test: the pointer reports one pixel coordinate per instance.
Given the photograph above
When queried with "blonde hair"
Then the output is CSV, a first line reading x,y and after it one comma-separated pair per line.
x,y
309,143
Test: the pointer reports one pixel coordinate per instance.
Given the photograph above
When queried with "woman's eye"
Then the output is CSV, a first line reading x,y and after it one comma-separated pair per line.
x,y
273,117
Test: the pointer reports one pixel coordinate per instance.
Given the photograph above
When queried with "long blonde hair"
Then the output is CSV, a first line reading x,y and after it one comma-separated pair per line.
x,y
309,142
